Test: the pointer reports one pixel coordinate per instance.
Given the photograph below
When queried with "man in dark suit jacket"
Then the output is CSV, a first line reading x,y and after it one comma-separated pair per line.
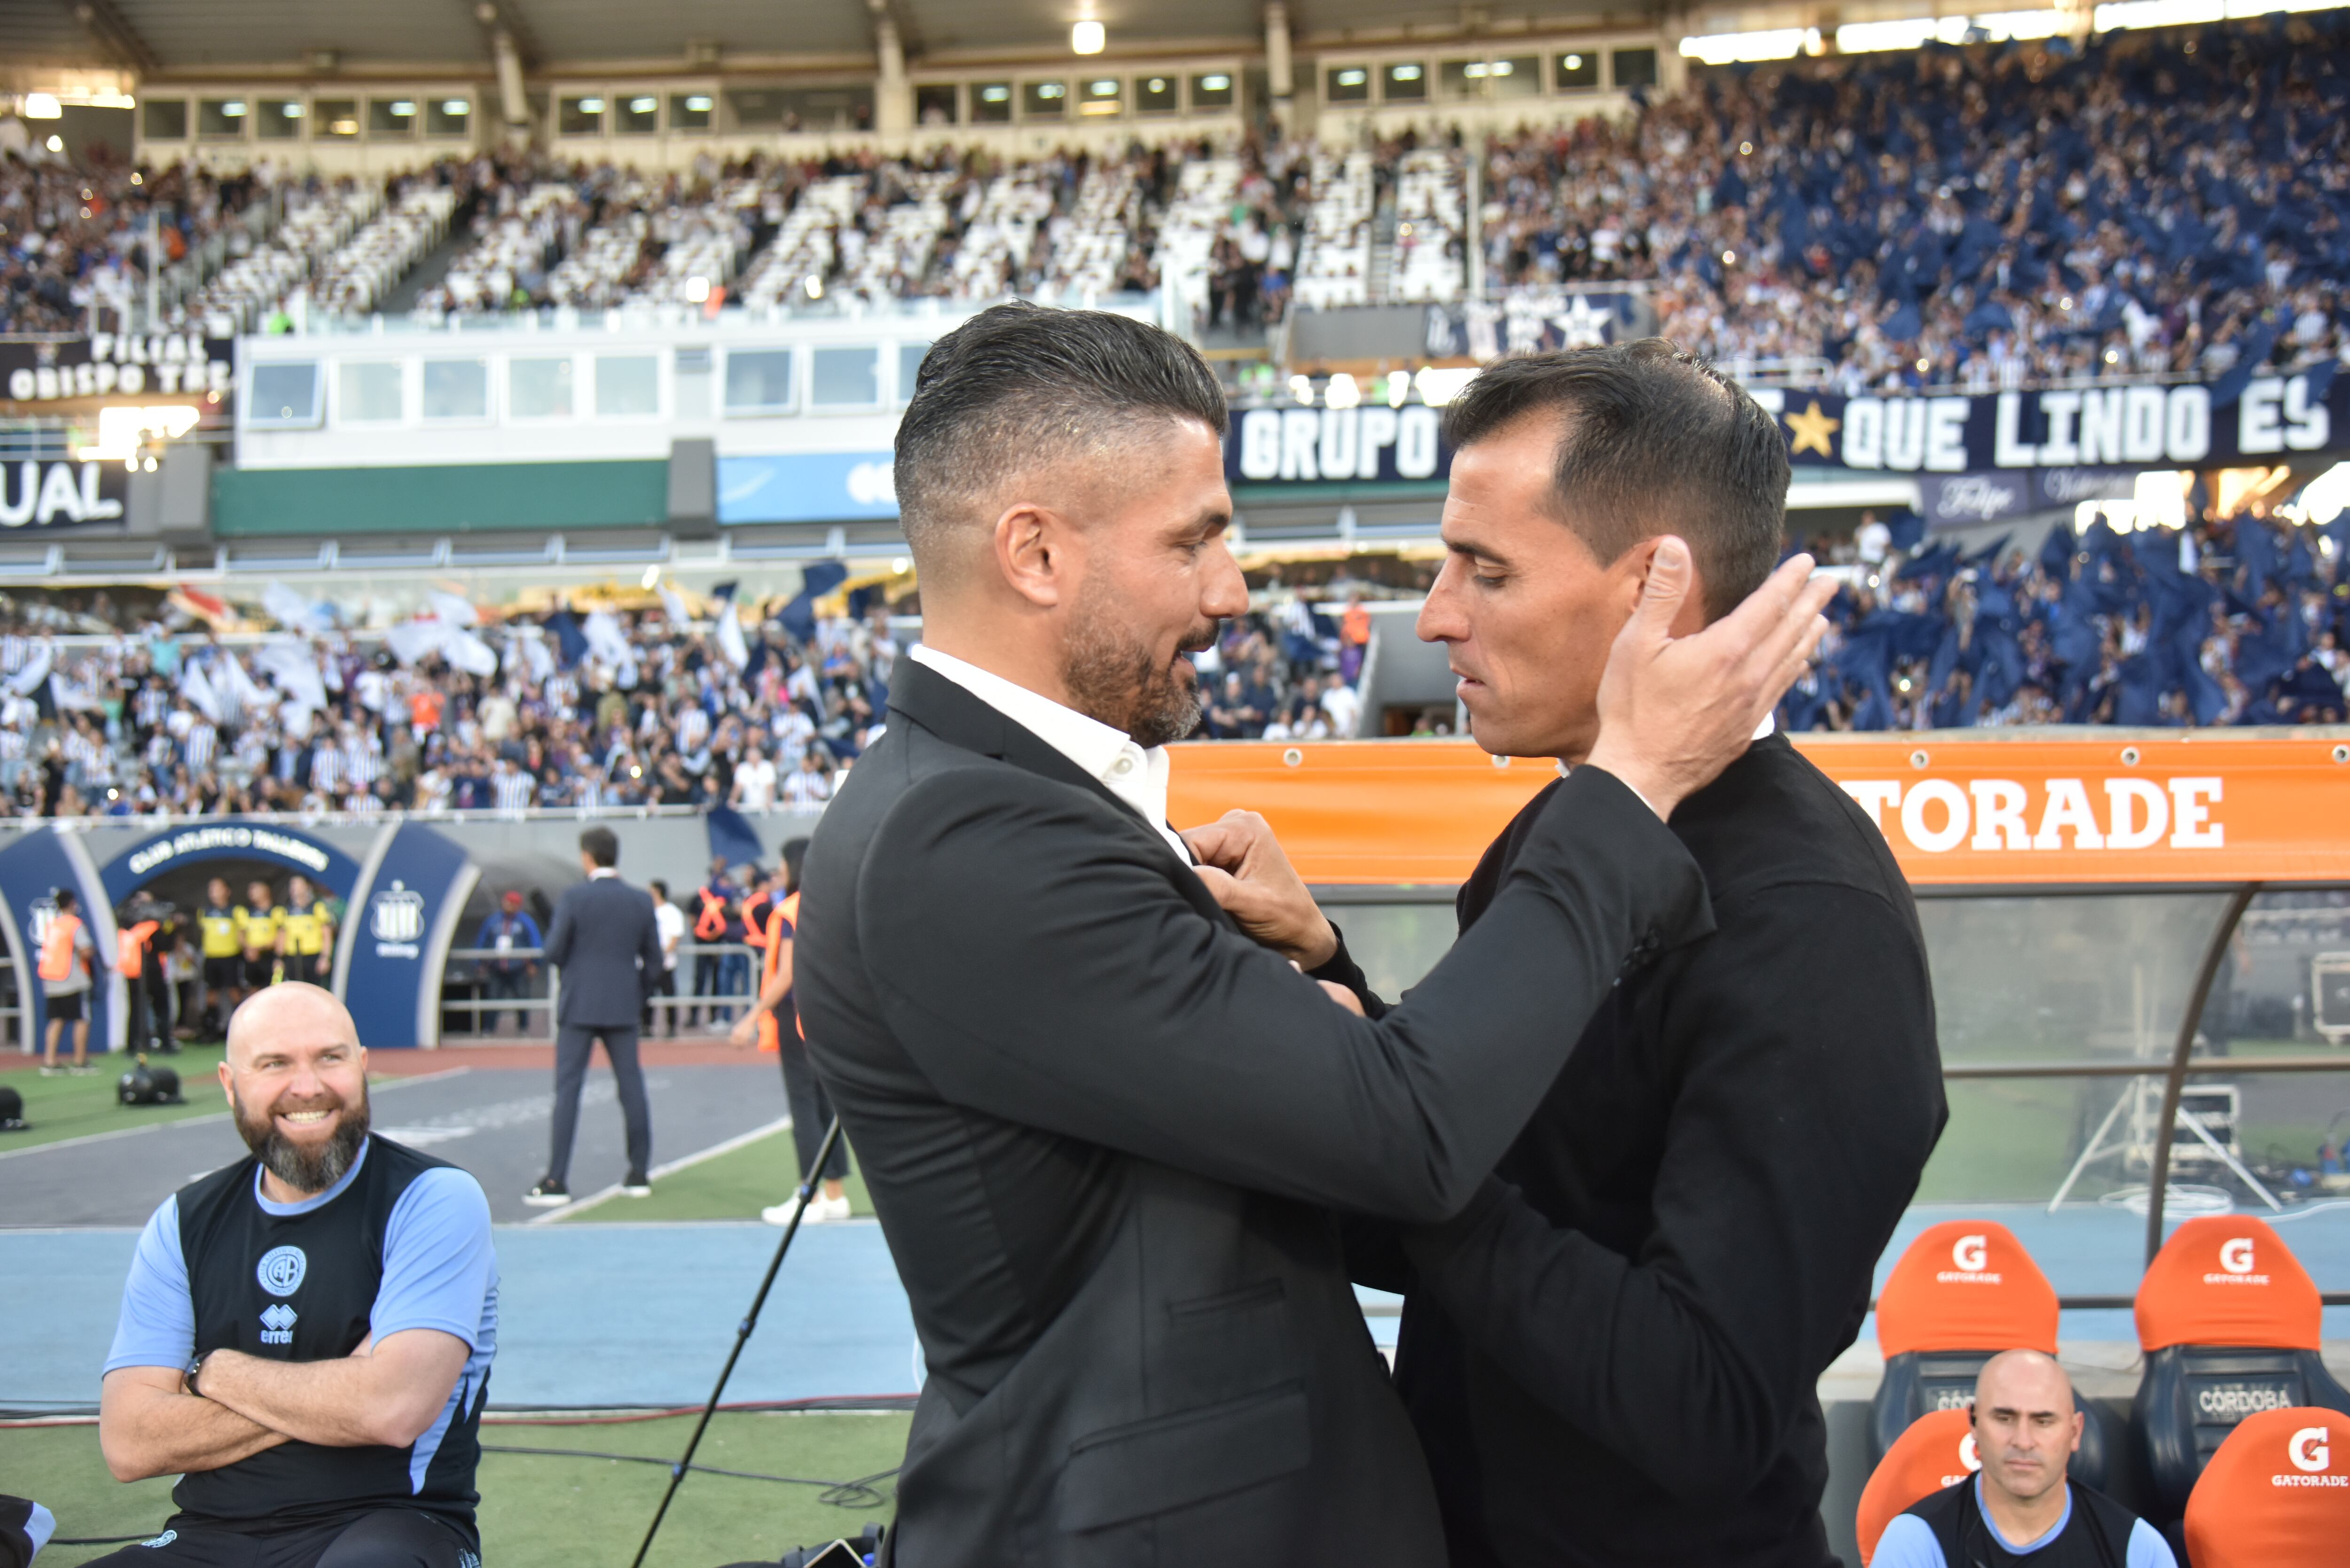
x,y
1611,1355
1102,1128
606,943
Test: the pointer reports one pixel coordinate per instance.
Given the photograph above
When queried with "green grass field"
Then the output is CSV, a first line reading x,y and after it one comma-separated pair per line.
x,y
734,1185
540,1510
63,1107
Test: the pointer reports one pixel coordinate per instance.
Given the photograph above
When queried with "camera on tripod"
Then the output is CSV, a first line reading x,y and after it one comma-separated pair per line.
x,y
149,1086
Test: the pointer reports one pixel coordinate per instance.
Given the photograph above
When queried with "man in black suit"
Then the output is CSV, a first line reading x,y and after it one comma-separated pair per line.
x,y
1611,1355
606,943
1104,1131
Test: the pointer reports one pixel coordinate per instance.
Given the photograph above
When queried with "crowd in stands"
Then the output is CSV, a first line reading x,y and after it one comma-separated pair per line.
x,y
604,709
2219,623
2166,202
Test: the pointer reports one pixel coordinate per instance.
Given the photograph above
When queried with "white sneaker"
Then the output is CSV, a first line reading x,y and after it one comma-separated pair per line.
x,y
821,1210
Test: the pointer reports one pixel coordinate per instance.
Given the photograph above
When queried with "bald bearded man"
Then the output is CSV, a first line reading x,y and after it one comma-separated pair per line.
x,y
306,1337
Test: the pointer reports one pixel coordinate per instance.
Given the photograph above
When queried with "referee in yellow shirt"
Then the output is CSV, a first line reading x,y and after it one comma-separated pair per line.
x,y
258,922
221,937
307,935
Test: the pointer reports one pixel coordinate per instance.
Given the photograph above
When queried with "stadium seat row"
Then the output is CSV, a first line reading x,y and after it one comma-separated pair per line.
x,y
2242,1432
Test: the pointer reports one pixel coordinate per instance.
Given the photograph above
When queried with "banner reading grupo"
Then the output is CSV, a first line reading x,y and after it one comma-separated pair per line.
x,y
2122,806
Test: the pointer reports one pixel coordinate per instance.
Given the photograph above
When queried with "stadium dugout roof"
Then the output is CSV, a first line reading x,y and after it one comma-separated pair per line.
x,y
208,37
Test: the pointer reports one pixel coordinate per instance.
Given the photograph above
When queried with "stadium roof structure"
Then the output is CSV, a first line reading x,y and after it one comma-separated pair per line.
x,y
200,37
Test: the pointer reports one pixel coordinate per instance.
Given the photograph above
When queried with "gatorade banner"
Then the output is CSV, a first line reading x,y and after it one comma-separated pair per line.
x,y
2123,807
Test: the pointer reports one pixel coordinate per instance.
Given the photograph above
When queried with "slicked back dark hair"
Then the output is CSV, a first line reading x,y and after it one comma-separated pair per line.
x,y
1651,441
1020,385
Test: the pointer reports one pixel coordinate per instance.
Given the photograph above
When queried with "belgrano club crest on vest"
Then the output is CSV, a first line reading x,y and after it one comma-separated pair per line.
x,y
396,919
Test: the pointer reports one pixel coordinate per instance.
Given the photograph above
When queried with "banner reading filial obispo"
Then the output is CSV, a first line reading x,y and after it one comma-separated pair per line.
x,y
112,367
2261,418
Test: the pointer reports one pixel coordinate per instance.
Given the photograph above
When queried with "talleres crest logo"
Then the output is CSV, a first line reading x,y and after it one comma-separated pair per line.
x,y
2311,1453
1970,1260
2238,1264
396,920
281,1269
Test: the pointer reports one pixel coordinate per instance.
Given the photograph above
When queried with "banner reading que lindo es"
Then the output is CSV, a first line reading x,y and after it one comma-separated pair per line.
x,y
2124,806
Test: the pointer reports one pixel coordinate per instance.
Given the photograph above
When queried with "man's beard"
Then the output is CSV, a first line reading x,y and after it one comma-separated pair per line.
x,y
305,1168
1112,675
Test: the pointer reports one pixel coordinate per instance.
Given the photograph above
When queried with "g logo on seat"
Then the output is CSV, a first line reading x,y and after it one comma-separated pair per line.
x,y
2236,1256
281,1270
1971,1254
2309,1449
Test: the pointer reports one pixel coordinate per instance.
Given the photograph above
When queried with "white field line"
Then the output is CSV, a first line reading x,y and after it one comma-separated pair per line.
x,y
373,1089
657,1171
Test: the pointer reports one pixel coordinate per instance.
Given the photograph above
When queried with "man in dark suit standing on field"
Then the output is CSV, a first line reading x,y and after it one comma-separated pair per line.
x,y
1102,1128
606,944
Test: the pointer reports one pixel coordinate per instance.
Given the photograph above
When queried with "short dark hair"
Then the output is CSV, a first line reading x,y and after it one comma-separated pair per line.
x,y
1655,442
1021,384
795,856
660,888
601,845
65,898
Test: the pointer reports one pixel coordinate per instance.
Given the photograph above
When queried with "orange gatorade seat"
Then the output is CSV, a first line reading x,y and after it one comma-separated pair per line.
x,y
1937,1450
1964,1291
2275,1495
2229,1321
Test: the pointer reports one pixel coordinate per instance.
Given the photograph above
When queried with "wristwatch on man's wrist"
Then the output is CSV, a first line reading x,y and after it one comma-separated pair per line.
x,y
195,1369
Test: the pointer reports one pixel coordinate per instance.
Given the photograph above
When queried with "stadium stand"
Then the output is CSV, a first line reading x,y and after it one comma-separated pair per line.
x,y
2275,1495
2230,1323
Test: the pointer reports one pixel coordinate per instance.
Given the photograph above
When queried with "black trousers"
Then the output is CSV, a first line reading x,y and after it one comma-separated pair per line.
x,y
811,1106
574,1044
387,1538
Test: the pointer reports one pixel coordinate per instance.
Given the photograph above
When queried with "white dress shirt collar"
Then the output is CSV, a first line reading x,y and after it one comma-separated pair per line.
x,y
601,872
1135,774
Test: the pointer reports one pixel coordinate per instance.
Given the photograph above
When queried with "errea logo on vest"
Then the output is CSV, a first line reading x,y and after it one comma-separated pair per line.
x,y
2236,1264
2313,1456
1971,1254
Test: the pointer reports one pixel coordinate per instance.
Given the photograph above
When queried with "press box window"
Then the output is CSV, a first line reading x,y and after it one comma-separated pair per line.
x,y
447,116
1575,73
627,386
1516,78
1043,100
1100,96
277,119
335,119
370,394
1404,82
390,118
990,103
456,389
285,396
844,378
538,389
639,114
1155,95
164,119
1346,84
689,110
1213,90
935,103
759,381
222,119
579,116
910,368
1635,67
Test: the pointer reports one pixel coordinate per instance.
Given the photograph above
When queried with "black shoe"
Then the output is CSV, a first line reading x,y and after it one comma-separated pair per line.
x,y
637,1185
548,1194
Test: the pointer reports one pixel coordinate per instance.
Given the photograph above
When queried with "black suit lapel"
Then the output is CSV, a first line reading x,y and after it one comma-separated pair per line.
x,y
956,717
